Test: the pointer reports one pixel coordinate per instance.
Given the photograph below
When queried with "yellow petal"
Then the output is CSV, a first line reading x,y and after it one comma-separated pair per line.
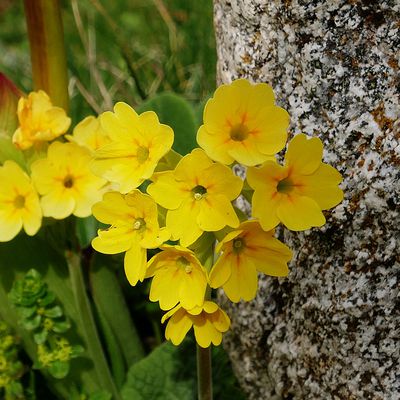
x,y
58,204
113,207
304,155
264,207
267,176
220,320
205,332
322,187
192,289
113,240
135,264
178,326
166,191
246,153
10,225
210,307
190,166
220,272
216,212
299,213
161,285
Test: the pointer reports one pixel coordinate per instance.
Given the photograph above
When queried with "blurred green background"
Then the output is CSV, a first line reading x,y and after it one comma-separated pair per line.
x,y
121,50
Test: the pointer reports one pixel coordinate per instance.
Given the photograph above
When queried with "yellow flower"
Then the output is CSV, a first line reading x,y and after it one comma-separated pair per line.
x,y
19,203
66,182
138,142
244,252
198,195
208,321
134,228
39,120
89,133
295,193
178,276
243,124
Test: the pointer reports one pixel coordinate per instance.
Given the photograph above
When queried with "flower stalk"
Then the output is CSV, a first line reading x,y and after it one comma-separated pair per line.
x,y
46,39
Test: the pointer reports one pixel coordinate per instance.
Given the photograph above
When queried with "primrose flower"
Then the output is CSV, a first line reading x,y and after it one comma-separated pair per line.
x,y
89,133
19,203
39,120
209,323
134,228
243,124
295,193
178,268
66,182
198,195
244,252
138,142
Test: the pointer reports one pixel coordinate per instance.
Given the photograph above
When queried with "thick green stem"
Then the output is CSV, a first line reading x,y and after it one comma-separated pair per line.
x,y
88,324
46,39
204,369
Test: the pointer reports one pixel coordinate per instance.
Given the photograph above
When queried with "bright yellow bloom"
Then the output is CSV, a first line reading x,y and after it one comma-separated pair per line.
x,y
243,124
138,142
89,133
134,228
66,182
178,276
295,193
244,252
198,195
19,203
208,321
39,120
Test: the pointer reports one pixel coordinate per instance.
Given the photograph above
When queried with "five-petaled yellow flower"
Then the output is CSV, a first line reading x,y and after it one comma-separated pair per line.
x,y
198,195
19,203
209,323
178,276
66,182
39,120
89,133
295,193
134,228
138,142
243,124
244,252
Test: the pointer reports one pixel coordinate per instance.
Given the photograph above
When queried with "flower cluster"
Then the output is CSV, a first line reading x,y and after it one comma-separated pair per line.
x,y
186,208
120,167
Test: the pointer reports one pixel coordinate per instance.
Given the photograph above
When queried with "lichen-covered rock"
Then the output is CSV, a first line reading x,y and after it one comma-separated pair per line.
x,y
331,329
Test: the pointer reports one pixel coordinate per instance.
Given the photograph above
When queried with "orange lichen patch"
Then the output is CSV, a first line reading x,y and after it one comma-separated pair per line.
x,y
380,118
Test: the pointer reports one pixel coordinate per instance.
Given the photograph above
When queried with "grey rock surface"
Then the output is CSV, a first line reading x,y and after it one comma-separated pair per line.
x,y
331,329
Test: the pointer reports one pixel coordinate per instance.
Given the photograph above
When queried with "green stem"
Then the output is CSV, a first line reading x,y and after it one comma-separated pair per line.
x,y
46,39
88,325
204,368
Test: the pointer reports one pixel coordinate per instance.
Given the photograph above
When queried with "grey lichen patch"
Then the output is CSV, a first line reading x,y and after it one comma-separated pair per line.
x,y
329,330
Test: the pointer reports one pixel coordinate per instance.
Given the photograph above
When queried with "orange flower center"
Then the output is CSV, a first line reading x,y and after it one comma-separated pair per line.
x,y
238,245
199,192
142,154
239,132
68,182
19,201
284,186
183,263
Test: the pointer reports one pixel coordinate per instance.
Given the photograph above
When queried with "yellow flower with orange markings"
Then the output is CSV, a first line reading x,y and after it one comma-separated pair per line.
x,y
209,322
246,251
138,142
133,220
197,195
178,276
65,181
19,203
243,124
89,133
295,193
39,120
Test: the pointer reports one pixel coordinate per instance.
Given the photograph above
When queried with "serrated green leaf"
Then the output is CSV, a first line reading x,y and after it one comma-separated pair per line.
x,y
175,111
54,312
159,376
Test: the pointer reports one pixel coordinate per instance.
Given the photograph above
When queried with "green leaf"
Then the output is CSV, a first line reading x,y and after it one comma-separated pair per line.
x,y
9,152
100,395
86,230
175,111
58,369
40,337
31,323
159,376
61,326
47,299
26,312
54,312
